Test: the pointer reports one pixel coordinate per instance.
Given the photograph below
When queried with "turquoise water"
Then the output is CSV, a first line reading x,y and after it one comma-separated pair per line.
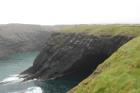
x,y
16,63
21,61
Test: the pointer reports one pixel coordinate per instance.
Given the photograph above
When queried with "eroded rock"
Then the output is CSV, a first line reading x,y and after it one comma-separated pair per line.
x,y
73,53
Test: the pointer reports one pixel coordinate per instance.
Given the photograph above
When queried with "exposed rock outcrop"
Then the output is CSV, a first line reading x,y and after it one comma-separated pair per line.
x,y
118,74
69,53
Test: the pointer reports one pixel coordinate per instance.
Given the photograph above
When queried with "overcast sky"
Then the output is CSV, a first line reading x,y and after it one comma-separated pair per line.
x,y
51,12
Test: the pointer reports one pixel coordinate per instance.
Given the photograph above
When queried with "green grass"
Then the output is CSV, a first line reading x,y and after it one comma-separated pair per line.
x,y
120,73
114,29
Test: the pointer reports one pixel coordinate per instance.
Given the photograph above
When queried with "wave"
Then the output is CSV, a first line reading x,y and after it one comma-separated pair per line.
x,y
30,90
15,83
12,79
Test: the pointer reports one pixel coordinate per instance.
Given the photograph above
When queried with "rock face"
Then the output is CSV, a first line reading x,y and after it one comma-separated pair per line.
x,y
120,73
73,53
21,38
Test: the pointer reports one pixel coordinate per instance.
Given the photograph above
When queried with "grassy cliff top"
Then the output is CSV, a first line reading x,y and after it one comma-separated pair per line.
x,y
120,73
112,29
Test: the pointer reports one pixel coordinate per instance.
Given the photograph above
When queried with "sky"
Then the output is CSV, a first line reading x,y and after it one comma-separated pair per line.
x,y
53,12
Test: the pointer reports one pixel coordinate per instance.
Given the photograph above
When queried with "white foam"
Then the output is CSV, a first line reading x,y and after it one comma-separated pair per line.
x,y
30,90
34,90
12,79
17,78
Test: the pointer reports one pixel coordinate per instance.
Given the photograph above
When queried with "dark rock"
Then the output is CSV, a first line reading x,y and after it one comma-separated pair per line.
x,y
73,53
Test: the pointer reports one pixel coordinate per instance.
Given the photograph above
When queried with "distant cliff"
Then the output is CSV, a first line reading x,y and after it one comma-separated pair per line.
x,y
22,38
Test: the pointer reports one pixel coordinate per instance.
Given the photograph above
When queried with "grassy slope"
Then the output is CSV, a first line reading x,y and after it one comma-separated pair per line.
x,y
114,29
118,74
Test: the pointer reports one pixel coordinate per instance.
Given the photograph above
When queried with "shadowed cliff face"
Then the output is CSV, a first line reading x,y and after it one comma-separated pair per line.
x,y
73,53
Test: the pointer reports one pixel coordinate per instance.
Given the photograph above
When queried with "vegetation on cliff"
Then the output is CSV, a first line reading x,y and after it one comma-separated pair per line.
x,y
120,73
114,29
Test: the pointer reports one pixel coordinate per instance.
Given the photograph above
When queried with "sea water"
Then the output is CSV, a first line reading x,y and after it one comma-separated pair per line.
x,y
10,82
